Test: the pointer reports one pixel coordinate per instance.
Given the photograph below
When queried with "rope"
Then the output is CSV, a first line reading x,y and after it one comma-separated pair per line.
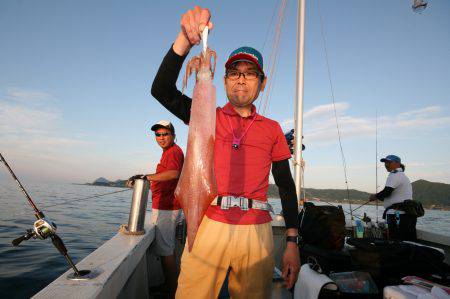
x,y
344,163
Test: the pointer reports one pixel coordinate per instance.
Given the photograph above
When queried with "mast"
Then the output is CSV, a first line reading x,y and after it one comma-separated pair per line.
x,y
299,97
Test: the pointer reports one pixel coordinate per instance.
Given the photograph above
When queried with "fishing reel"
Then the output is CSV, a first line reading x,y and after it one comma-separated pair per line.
x,y
42,229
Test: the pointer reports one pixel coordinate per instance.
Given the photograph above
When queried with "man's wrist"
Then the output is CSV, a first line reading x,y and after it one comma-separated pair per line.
x,y
181,46
293,240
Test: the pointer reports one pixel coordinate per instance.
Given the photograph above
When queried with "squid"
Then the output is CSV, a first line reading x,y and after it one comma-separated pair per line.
x,y
197,187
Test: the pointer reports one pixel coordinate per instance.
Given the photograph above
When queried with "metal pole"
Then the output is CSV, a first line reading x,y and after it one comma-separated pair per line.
x,y
138,207
299,97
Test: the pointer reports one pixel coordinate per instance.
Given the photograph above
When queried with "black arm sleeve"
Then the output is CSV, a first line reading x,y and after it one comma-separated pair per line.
x,y
283,179
164,87
387,191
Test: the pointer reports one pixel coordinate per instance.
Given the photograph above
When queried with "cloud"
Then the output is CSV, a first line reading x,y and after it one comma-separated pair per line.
x,y
40,146
19,119
320,123
30,131
325,110
27,96
424,112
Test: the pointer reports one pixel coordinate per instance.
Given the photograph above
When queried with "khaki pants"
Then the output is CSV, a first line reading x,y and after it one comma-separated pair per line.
x,y
247,250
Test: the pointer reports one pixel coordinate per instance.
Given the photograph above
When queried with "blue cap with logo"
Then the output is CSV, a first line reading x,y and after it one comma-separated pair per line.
x,y
391,158
248,54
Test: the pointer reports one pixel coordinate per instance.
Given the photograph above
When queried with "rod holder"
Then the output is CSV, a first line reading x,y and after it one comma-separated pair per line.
x,y
138,207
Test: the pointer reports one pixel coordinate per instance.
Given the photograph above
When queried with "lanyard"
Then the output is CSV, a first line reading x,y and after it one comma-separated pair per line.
x,y
237,140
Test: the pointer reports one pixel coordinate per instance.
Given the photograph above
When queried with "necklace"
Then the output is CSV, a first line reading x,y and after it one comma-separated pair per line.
x,y
237,140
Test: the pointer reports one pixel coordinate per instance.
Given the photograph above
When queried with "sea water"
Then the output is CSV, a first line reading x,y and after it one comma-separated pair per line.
x,y
84,225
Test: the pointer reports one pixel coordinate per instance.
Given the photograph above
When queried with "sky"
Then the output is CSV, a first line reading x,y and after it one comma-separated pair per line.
x,y
75,80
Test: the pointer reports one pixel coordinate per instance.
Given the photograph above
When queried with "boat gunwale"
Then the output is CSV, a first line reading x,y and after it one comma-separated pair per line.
x,y
115,261
118,257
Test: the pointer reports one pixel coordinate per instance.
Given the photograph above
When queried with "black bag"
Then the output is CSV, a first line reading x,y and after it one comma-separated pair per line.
x,y
413,207
322,226
328,260
410,207
390,260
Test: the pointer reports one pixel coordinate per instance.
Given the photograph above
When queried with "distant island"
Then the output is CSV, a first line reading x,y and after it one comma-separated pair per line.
x,y
106,183
432,195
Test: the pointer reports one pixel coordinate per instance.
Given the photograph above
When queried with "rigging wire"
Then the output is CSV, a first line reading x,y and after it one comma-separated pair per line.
x,y
344,163
270,26
273,58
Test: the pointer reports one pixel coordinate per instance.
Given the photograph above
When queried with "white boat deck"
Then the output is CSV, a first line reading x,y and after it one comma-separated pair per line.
x,y
127,268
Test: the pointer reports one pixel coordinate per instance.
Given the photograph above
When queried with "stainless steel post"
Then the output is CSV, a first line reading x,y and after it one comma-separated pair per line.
x,y
138,207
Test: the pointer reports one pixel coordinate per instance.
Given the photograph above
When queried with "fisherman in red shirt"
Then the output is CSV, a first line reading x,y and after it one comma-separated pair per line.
x,y
235,235
166,211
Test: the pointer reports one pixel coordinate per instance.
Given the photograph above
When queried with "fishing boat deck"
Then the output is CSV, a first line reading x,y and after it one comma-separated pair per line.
x,y
126,267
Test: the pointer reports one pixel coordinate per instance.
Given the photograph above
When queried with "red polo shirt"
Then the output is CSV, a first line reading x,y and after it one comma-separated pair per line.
x,y
245,171
162,192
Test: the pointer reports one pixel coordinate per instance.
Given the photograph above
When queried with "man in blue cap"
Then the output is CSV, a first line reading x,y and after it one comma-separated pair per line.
x,y
235,235
398,189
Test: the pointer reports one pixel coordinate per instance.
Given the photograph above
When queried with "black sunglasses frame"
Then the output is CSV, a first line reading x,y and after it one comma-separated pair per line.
x,y
162,134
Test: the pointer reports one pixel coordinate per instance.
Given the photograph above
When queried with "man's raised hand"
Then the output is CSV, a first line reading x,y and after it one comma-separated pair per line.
x,y
192,24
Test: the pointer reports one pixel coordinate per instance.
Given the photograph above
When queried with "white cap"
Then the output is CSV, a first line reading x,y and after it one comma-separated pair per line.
x,y
163,124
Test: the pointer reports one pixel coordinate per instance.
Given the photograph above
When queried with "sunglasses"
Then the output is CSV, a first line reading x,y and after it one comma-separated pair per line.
x,y
161,134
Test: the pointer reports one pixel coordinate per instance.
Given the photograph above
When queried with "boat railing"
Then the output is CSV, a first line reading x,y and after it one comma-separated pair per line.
x,y
114,262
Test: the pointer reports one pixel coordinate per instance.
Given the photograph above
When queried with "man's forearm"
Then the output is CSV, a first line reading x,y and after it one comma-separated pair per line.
x,y
164,176
292,232
386,192
283,179
164,87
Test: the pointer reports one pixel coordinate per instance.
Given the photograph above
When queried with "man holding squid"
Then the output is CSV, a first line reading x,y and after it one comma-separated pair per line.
x,y
235,234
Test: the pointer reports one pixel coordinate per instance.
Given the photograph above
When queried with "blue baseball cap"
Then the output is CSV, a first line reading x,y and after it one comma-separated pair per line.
x,y
248,54
392,158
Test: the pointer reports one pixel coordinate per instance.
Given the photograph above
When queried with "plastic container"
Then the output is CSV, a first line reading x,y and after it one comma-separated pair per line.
x,y
359,229
354,282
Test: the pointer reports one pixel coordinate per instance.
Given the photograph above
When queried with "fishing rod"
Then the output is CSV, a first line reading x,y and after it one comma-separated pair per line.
x,y
376,157
348,213
361,205
376,167
42,227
